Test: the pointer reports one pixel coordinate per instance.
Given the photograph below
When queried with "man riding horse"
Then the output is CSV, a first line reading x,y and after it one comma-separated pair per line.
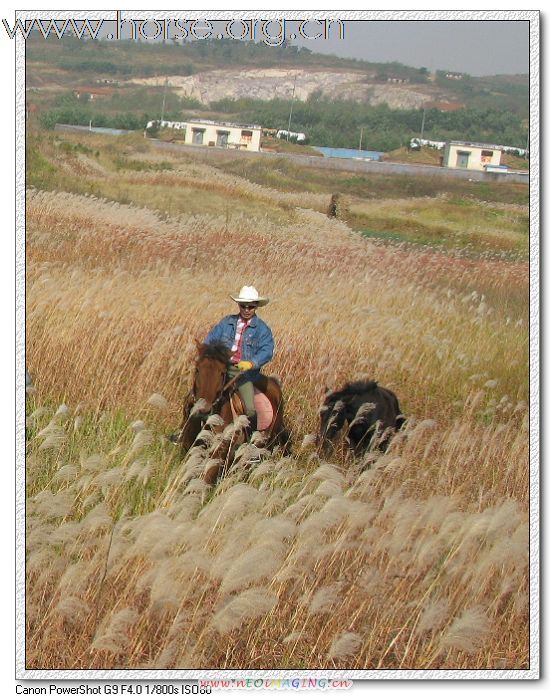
x,y
251,343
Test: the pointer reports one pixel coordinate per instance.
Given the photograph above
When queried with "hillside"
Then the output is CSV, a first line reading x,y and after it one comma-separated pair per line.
x,y
212,70
337,102
281,83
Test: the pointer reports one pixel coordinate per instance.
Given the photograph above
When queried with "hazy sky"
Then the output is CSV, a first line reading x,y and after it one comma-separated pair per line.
x,y
477,47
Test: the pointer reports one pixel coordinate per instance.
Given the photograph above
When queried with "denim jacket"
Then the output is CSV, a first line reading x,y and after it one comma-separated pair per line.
x,y
258,341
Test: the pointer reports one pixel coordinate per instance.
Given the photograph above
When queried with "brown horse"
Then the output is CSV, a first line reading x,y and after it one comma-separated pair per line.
x,y
212,395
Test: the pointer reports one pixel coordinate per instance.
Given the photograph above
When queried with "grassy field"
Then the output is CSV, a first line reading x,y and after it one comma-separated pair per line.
x,y
412,559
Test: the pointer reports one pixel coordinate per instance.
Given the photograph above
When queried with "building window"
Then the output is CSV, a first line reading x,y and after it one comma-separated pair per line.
x,y
222,138
198,136
246,136
486,157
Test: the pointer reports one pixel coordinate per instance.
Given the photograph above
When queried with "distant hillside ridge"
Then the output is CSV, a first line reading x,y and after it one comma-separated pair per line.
x,y
282,83
218,69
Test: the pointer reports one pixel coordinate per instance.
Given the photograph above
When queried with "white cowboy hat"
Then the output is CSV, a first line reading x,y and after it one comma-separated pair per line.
x,y
249,295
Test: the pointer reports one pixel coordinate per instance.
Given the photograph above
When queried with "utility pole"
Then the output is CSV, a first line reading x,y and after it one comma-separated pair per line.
x,y
423,122
164,101
360,141
291,110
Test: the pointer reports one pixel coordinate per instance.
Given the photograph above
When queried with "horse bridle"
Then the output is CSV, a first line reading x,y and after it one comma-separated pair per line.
x,y
217,401
204,417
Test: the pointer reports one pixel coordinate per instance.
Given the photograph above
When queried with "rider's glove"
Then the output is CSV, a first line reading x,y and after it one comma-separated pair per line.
x,y
245,365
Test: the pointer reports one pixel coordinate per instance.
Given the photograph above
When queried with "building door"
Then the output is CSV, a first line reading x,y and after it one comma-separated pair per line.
x,y
462,159
222,139
198,136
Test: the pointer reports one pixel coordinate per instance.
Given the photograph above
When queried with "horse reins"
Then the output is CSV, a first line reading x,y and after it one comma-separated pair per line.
x,y
226,387
217,401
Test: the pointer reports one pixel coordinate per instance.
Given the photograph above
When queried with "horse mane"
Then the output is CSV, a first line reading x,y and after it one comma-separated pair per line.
x,y
361,386
215,351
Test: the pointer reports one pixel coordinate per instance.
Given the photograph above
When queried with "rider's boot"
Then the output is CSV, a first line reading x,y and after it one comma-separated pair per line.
x,y
250,429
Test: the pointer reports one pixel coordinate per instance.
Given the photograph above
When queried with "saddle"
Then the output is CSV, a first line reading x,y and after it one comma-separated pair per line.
x,y
264,409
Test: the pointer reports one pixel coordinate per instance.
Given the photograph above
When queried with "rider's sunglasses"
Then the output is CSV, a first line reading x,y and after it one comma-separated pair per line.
x,y
248,306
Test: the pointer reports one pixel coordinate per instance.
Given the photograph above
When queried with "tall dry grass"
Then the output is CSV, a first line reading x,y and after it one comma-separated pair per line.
x,y
413,559
290,562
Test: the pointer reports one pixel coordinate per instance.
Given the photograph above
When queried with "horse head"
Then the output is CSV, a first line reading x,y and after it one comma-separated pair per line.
x,y
210,378
333,413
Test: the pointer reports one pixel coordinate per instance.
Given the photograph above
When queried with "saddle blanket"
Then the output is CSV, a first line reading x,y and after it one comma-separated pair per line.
x,y
264,410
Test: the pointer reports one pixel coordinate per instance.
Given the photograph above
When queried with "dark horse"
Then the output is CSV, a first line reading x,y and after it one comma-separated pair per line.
x,y
212,395
372,413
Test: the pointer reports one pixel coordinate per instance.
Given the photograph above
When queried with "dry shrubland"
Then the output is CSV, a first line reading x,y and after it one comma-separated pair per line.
x,y
416,558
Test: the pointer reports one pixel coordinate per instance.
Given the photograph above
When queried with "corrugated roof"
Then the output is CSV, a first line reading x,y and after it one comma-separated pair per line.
x,y
213,123
473,143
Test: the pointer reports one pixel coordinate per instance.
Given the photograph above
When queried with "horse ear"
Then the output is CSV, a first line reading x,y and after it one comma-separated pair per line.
x,y
327,392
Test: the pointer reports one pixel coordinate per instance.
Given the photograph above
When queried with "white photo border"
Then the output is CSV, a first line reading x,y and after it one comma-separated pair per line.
x,y
533,17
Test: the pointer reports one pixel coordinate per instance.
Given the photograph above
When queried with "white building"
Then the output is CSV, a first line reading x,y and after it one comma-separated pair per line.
x,y
223,135
473,156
